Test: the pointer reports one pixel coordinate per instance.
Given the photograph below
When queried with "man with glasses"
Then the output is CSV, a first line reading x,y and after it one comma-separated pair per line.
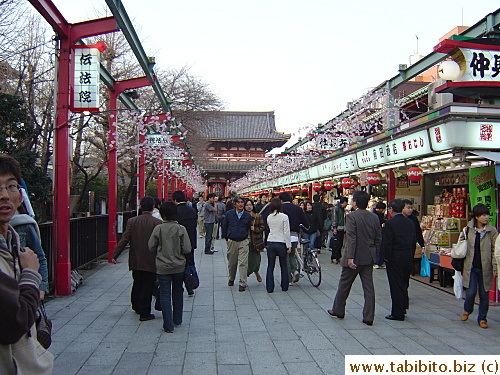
x,y
235,228
20,352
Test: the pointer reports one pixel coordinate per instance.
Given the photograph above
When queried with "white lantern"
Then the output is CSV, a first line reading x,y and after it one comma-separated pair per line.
x,y
449,70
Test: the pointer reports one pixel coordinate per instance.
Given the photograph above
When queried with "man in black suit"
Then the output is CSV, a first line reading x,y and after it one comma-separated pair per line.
x,y
362,239
398,242
187,217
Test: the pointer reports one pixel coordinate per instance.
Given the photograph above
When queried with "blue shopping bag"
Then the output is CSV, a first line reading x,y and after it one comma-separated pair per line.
x,y
425,266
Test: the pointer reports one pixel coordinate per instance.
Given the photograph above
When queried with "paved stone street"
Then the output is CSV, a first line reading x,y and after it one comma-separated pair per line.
x,y
228,332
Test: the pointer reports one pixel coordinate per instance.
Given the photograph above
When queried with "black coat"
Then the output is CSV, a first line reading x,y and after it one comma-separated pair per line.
x,y
398,239
187,217
314,221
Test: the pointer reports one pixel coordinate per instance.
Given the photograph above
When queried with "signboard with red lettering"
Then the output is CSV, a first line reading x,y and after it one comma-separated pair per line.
x,y
466,134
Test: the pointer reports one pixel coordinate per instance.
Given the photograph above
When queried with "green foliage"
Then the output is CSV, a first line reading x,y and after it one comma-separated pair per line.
x,y
17,134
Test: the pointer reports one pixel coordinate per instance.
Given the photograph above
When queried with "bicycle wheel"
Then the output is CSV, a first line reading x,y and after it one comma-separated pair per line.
x,y
313,270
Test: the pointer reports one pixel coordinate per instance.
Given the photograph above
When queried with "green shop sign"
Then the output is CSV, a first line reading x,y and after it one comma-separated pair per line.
x,y
482,190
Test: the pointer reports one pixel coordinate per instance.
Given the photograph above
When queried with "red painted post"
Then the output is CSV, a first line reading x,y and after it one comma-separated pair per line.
x,y
112,180
141,189
61,216
159,181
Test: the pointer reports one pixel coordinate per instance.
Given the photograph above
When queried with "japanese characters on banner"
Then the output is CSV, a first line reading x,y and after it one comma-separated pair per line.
x,y
481,65
482,184
340,165
409,146
86,71
474,134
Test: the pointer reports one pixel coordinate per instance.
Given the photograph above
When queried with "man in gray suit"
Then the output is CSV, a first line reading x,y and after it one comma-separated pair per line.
x,y
362,239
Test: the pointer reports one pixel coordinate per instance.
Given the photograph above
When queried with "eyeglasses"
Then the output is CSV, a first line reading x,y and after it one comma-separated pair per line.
x,y
11,188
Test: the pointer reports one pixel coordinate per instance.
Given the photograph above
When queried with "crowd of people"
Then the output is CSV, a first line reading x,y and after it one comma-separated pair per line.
x,y
163,238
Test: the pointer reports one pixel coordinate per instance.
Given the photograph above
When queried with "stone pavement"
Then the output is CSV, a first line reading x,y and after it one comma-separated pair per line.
x,y
229,332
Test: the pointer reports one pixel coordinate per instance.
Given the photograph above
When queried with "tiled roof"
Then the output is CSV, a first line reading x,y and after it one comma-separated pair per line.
x,y
225,125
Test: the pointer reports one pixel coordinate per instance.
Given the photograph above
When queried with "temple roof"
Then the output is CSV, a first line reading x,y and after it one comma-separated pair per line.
x,y
248,126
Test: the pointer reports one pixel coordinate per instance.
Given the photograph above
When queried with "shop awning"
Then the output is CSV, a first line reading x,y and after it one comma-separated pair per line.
x,y
490,155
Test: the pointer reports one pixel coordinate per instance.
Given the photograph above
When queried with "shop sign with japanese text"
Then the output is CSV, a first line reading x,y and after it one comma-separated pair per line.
x,y
482,185
157,139
409,146
85,83
474,134
337,166
481,65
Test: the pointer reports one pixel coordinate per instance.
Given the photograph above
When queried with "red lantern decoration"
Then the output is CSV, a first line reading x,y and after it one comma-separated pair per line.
x,y
295,189
347,183
328,185
288,189
305,188
415,174
316,186
373,178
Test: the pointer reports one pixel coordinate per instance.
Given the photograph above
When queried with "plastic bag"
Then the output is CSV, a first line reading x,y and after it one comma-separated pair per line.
x,y
425,266
457,284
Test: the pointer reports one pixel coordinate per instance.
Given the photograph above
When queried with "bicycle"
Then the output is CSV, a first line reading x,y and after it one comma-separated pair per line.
x,y
308,262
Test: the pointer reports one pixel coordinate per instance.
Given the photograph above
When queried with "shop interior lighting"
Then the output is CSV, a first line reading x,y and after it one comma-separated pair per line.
x,y
433,158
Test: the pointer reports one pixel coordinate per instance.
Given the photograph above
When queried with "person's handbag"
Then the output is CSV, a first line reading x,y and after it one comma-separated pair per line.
x,y
457,264
257,239
425,266
191,279
459,251
43,327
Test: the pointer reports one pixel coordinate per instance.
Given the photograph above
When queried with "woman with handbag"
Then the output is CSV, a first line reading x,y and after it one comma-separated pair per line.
x,y
479,267
170,241
256,235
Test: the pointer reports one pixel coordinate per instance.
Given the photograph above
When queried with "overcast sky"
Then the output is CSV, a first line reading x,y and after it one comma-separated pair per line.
x,y
302,59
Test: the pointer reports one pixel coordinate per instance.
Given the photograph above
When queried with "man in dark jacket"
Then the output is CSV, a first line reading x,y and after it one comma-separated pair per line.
x,y
187,217
362,239
296,217
398,244
140,260
235,228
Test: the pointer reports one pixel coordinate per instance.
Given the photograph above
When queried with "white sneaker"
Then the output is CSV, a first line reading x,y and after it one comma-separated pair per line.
x,y
296,276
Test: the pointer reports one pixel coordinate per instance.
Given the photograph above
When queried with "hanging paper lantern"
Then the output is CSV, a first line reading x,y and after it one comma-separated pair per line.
x,y
305,188
328,185
295,189
347,183
288,189
373,178
415,174
316,186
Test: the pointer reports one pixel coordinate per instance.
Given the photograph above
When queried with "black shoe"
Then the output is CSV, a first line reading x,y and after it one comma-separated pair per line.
x,y
190,292
368,322
146,318
230,283
241,288
331,313
210,252
390,317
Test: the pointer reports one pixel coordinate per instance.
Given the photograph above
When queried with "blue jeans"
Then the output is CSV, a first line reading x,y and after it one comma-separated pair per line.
x,y
311,238
171,297
276,249
476,285
209,231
